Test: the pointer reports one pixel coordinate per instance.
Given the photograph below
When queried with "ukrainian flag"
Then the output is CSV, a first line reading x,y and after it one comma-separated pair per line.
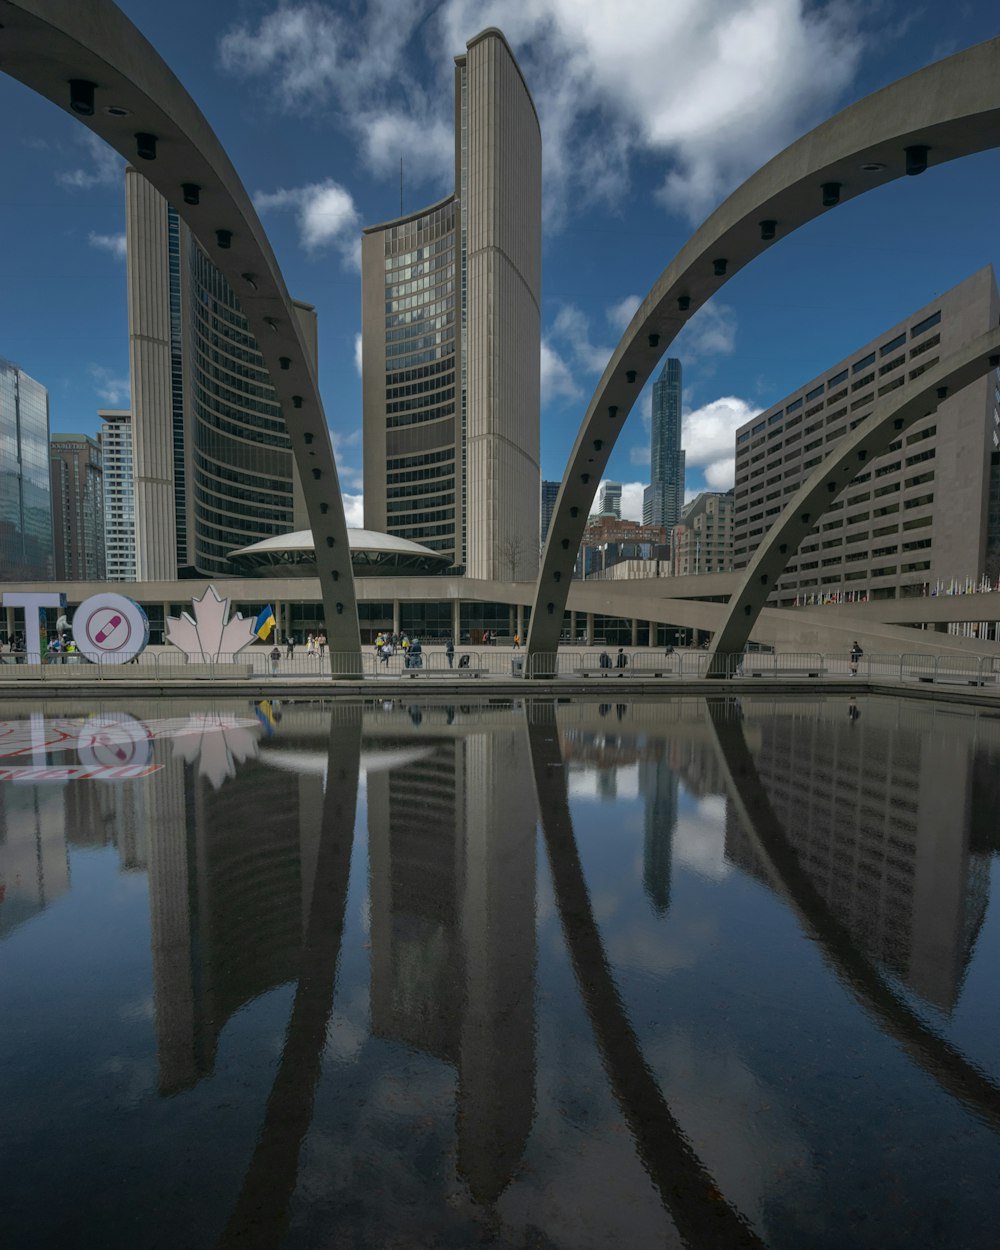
x,y
264,623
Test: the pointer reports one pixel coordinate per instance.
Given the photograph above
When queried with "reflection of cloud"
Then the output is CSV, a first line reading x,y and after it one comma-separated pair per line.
x,y
643,947
314,762
700,838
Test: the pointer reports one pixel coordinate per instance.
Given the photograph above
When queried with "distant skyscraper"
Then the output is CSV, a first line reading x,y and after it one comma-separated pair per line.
x,y
214,469
77,507
25,490
550,493
119,495
664,497
610,500
450,338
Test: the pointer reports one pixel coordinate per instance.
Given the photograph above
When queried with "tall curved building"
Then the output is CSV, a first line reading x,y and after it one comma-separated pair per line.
x,y
451,337
213,464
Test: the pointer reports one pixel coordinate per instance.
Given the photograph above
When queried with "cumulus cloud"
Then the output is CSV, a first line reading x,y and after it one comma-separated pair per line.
x,y
710,332
104,168
708,438
324,212
357,354
354,510
113,243
632,500
556,378
620,314
112,389
745,76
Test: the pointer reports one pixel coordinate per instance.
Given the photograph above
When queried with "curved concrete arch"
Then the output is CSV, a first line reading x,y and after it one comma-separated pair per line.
x,y
687,1189
938,1058
47,44
826,482
947,110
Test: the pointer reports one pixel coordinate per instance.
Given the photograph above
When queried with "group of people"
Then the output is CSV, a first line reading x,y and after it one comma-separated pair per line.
x,y
386,646
620,662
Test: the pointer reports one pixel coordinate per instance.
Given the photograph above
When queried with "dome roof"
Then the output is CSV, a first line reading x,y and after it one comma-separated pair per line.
x,y
372,553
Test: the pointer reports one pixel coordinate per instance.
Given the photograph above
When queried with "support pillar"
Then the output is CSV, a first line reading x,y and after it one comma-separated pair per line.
x,y
635,631
590,629
10,625
652,626
166,613
572,627
395,617
456,621
520,622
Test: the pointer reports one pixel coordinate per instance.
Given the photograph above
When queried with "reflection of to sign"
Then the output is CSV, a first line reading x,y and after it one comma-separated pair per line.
x,y
114,741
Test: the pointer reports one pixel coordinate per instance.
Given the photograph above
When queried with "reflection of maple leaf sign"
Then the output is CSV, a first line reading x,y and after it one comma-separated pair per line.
x,y
213,636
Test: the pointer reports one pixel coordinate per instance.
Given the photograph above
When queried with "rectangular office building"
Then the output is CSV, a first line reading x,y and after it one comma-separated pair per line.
x,y
917,518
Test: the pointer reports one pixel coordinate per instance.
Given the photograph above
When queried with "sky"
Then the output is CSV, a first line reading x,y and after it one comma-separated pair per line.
x,y
651,115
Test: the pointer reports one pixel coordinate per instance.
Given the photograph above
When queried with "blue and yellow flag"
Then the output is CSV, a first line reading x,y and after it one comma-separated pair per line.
x,y
265,714
264,623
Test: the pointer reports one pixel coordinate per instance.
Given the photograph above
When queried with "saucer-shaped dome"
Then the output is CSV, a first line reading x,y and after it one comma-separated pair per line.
x,y
372,555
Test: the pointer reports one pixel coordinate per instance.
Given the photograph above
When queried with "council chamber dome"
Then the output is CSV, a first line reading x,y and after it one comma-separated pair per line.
x,y
372,555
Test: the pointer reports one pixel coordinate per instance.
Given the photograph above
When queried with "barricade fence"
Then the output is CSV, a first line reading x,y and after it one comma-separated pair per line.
x,y
256,663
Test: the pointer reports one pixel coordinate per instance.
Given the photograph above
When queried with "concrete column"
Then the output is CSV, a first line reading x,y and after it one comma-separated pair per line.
x,y
166,613
279,629
510,621
10,624
652,632
635,632
456,621
590,629
395,616
572,627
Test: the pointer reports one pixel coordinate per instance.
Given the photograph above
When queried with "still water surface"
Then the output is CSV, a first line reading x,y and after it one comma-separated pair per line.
x,y
538,974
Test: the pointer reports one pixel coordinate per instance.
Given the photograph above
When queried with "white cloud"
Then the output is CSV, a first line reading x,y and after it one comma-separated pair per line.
x,y
113,243
632,500
556,379
710,332
357,354
105,167
354,510
112,390
325,214
708,438
619,315
712,89
640,455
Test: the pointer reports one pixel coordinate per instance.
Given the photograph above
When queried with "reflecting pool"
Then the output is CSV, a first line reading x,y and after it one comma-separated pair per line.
x,y
532,973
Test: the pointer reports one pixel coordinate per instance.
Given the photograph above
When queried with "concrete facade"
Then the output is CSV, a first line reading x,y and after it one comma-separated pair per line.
x,y
450,338
115,437
916,516
703,541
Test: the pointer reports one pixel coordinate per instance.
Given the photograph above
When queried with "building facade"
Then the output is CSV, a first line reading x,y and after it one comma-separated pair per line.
x,y
25,490
550,493
664,497
703,541
916,520
115,437
77,507
450,339
213,464
608,541
609,501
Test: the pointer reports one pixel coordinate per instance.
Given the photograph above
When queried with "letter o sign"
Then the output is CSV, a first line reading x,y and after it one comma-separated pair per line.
x,y
110,629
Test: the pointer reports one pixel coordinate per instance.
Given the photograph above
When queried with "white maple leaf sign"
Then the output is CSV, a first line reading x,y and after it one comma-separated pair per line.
x,y
212,636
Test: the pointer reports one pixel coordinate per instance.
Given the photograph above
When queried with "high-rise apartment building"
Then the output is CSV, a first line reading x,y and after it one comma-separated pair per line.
x,y
550,493
609,501
918,515
664,497
77,507
214,469
450,336
115,437
703,541
25,489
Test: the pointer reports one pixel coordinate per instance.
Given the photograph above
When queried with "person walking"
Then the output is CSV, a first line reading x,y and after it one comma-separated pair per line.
x,y
321,645
856,654
517,642
275,660
450,652
621,661
289,646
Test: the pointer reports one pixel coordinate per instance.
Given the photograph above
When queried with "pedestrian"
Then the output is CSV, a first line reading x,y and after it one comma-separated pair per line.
x,y
275,659
386,654
310,645
450,652
856,654
621,661
321,644
379,643
605,662
517,642
289,646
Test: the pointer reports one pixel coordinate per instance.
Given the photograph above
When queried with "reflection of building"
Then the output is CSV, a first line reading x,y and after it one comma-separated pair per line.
x,y
881,819
452,883
450,328
119,494
77,507
918,513
658,786
34,864
664,497
213,463
25,490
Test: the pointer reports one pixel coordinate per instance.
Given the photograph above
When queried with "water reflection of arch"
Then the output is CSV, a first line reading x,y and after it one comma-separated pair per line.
x,y
686,1187
938,1058
46,44
947,110
828,481
260,1214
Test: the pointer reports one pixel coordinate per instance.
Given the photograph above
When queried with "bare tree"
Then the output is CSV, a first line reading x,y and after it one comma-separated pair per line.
x,y
511,551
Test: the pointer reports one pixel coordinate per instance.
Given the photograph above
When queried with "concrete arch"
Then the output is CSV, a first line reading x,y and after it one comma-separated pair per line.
x,y
47,44
826,482
947,110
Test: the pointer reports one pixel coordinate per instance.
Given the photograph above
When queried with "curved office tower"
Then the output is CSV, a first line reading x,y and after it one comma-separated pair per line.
x,y
213,463
450,339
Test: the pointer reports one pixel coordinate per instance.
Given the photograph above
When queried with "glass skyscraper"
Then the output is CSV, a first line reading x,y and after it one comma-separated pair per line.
x,y
664,497
26,552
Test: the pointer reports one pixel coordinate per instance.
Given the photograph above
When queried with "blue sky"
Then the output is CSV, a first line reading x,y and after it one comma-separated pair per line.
x,y
651,114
